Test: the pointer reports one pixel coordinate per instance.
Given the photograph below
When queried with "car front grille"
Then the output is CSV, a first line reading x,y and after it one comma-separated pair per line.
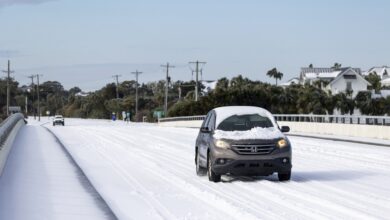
x,y
253,149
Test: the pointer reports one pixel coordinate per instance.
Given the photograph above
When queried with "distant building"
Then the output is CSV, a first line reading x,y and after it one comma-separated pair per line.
x,y
293,81
82,94
346,80
386,82
15,109
209,85
380,94
383,72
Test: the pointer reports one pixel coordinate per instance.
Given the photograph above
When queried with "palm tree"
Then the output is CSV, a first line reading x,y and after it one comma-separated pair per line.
x,y
274,73
336,66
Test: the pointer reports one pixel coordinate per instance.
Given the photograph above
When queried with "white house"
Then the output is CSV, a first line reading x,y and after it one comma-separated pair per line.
x,y
346,80
386,82
383,72
293,81
209,85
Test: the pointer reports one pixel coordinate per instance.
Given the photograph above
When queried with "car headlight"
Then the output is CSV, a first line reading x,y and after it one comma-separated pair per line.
x,y
222,144
282,143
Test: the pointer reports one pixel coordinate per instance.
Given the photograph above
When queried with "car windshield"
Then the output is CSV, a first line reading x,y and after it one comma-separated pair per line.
x,y
244,122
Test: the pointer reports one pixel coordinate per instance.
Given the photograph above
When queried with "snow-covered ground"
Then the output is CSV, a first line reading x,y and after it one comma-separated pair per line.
x,y
147,172
40,181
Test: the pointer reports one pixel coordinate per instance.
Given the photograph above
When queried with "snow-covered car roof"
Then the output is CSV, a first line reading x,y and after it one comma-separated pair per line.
x,y
58,116
225,112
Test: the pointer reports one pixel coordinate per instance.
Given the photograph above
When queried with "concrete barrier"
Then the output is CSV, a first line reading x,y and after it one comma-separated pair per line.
x,y
183,124
351,130
8,131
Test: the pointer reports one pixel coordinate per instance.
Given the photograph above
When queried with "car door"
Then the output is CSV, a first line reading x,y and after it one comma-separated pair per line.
x,y
207,137
202,144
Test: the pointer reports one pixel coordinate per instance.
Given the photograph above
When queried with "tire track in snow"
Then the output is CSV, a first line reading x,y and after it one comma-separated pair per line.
x,y
152,202
224,206
354,211
351,204
275,191
276,202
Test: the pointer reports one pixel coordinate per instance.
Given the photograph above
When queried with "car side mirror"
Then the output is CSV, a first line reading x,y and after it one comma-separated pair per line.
x,y
285,129
205,130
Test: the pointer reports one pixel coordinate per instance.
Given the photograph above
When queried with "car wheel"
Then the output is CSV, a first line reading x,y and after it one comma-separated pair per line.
x,y
200,171
284,176
54,124
211,174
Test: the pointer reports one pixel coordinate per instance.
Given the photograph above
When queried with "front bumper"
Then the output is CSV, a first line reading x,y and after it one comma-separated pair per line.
x,y
261,165
252,167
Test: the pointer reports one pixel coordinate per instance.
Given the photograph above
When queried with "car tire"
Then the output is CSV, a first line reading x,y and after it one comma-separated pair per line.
x,y
284,176
200,171
54,124
210,173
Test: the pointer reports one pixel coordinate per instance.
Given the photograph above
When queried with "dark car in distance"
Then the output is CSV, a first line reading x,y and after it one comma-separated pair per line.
x,y
242,140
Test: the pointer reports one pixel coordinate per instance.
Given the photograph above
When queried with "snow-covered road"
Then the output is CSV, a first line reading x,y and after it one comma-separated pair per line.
x,y
40,181
148,172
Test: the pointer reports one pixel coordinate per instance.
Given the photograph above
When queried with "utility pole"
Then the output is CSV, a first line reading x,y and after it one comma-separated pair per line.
x,y
167,81
26,109
117,85
136,92
8,71
39,104
197,77
32,93
179,92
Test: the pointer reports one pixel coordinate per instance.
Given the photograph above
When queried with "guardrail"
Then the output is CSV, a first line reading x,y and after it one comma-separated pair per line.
x,y
183,118
338,119
8,131
342,125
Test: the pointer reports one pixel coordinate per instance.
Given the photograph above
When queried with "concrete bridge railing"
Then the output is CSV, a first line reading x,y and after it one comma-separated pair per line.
x,y
341,125
8,130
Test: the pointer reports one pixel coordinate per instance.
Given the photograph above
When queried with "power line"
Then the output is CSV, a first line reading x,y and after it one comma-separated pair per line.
x,y
167,81
136,92
197,76
8,71
117,85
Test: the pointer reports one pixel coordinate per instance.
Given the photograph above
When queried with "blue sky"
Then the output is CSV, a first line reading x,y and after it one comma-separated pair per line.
x,y
84,43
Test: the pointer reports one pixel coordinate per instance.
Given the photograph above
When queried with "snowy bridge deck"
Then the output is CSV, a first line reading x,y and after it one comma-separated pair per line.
x,y
147,172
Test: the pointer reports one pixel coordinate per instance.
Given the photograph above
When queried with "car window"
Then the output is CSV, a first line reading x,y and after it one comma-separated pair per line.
x,y
211,123
206,120
244,122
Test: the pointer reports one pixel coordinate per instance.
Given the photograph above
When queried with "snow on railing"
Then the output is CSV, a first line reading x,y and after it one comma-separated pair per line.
x,y
8,131
183,118
7,125
339,119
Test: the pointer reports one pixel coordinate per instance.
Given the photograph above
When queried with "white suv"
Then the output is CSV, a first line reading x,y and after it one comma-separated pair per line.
x,y
58,119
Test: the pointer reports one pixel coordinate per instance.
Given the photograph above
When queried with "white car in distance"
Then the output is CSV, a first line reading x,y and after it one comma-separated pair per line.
x,y
58,120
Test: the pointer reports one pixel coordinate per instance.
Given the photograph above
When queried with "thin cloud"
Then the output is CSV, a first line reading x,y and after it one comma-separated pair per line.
x,y
9,53
4,3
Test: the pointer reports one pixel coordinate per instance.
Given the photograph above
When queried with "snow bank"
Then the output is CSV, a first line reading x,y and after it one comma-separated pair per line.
x,y
225,112
254,133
